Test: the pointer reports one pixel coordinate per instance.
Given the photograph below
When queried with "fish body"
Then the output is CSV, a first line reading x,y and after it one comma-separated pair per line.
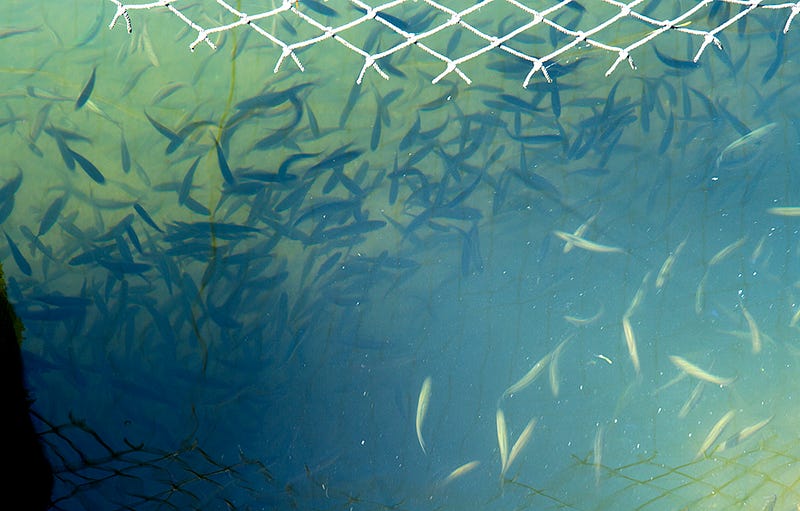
x,y
422,409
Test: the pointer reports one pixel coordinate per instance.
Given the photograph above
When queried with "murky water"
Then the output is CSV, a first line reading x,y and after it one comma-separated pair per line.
x,y
245,311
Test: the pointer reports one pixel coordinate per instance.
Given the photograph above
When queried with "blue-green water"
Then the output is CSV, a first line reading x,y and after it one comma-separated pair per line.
x,y
263,342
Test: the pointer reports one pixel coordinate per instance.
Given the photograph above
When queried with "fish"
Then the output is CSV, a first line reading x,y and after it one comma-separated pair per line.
x,y
352,98
752,139
578,321
530,376
700,294
166,91
7,193
83,97
320,8
683,65
580,231
554,380
224,168
87,167
795,318
186,184
780,53
124,154
597,454
638,297
666,268
694,397
375,140
755,335
353,229
338,158
174,138
22,263
147,47
696,372
146,217
744,434
520,444
51,214
502,438
728,250
460,471
585,244
38,123
11,32
630,342
784,211
715,432
119,267
604,358
422,409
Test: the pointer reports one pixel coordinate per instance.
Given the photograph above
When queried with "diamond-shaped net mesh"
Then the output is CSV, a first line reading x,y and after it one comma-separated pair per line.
x,y
537,35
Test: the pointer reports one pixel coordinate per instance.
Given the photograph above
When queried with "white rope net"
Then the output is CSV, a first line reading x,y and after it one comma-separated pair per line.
x,y
540,36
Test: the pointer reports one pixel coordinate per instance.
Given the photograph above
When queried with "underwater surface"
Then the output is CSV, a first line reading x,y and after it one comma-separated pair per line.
x,y
248,289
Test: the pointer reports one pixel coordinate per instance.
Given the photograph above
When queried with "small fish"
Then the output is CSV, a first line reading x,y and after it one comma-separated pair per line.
x,y
580,231
51,214
666,139
10,187
585,244
715,432
554,379
604,358
784,211
147,47
630,342
744,434
795,318
11,32
422,409
666,268
186,184
700,294
530,376
460,471
683,65
502,438
224,168
520,444
22,263
174,138
755,335
577,321
87,167
696,372
752,140
83,97
597,454
694,397
146,217
124,154
728,250
638,297
166,91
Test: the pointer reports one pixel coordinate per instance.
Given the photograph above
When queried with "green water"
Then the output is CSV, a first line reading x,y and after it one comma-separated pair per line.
x,y
266,345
